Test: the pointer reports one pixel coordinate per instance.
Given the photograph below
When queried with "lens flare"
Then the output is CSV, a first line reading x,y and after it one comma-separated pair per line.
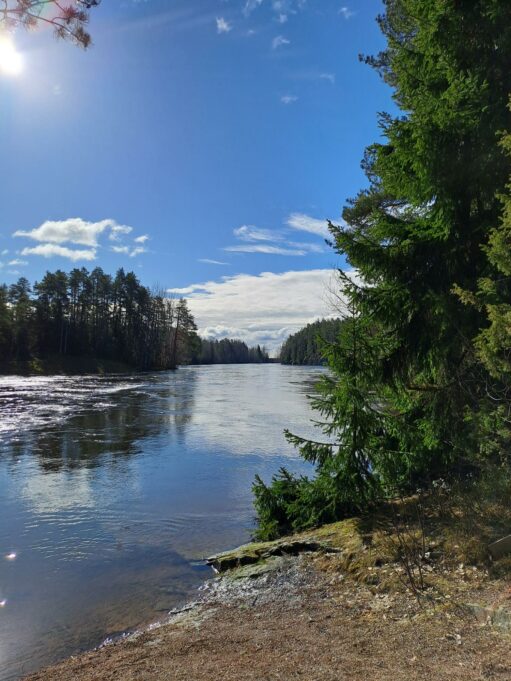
x,y
11,62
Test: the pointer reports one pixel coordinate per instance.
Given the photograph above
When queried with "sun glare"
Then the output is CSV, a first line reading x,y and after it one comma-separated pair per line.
x,y
11,62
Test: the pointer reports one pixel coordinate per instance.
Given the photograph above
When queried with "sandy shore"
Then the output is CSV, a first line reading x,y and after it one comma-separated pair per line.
x,y
302,617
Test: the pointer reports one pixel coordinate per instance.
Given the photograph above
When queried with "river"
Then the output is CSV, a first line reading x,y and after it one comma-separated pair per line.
x,y
113,489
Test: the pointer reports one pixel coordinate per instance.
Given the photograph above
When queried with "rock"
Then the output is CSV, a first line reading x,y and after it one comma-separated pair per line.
x,y
253,553
500,617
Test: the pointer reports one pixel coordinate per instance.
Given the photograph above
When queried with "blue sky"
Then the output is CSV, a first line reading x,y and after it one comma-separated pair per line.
x,y
201,143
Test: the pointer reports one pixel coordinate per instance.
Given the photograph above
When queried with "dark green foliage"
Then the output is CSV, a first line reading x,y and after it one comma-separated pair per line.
x,y
93,314
230,351
416,403
307,345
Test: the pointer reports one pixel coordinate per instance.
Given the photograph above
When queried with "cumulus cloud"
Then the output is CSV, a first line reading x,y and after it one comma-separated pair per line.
x,y
53,234
288,99
305,223
50,250
17,263
280,41
72,230
223,26
264,308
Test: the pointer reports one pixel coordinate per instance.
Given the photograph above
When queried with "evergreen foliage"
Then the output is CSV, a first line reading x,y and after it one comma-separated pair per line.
x,y
230,351
408,399
93,314
306,346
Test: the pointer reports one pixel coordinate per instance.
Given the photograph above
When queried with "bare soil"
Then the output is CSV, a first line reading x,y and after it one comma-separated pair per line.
x,y
300,619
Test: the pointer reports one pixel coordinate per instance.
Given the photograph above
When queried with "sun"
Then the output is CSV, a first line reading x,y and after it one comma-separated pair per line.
x,y
11,61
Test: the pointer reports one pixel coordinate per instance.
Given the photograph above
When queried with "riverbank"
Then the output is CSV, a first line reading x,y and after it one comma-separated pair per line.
x,y
64,365
328,605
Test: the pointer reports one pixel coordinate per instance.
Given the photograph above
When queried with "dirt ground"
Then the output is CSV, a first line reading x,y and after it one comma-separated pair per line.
x,y
300,621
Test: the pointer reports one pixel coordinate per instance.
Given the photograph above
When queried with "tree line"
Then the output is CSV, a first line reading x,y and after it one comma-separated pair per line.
x,y
420,381
230,351
92,314
308,346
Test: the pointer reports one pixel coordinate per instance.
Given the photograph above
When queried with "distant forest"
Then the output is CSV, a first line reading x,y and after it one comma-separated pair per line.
x,y
306,346
92,314
228,351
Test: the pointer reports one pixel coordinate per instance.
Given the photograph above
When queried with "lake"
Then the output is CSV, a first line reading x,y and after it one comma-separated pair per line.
x,y
113,490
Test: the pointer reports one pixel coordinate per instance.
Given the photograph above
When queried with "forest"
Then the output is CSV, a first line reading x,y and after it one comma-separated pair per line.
x,y
308,346
230,351
420,382
92,314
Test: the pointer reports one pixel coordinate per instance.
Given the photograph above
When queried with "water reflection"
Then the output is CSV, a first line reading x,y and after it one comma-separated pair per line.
x,y
111,488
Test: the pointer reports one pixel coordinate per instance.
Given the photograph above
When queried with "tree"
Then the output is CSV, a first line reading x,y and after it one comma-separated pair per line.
x,y
307,345
90,314
68,20
417,232
21,311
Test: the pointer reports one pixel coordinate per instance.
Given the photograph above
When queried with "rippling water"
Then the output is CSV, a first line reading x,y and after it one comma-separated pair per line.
x,y
112,490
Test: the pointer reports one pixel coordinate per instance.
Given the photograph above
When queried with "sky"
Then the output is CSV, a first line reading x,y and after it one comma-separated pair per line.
x,y
201,144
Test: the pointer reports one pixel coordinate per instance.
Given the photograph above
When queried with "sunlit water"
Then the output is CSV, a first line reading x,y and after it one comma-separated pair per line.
x,y
113,490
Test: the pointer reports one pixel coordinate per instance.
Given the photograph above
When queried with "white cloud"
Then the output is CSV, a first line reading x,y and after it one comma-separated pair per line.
x,y
272,242
52,234
50,250
127,250
282,18
269,250
118,231
279,41
223,26
17,263
346,12
288,99
208,261
328,76
72,230
251,233
305,223
263,309
250,6
5,251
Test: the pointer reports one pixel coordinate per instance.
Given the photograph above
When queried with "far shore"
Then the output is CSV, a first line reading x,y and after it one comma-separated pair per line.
x,y
76,366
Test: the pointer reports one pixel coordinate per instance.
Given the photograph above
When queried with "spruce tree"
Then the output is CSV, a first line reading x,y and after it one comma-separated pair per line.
x,y
415,235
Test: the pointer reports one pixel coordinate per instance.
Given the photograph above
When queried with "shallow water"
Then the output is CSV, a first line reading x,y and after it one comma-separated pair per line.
x,y
112,490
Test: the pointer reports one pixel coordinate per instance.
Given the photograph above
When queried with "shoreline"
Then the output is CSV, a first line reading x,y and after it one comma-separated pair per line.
x,y
296,609
84,366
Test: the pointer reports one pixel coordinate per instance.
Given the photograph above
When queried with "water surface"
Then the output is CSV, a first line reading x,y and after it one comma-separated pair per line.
x,y
113,489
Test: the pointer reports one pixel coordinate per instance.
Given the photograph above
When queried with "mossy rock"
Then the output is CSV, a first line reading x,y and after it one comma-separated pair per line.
x,y
249,554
